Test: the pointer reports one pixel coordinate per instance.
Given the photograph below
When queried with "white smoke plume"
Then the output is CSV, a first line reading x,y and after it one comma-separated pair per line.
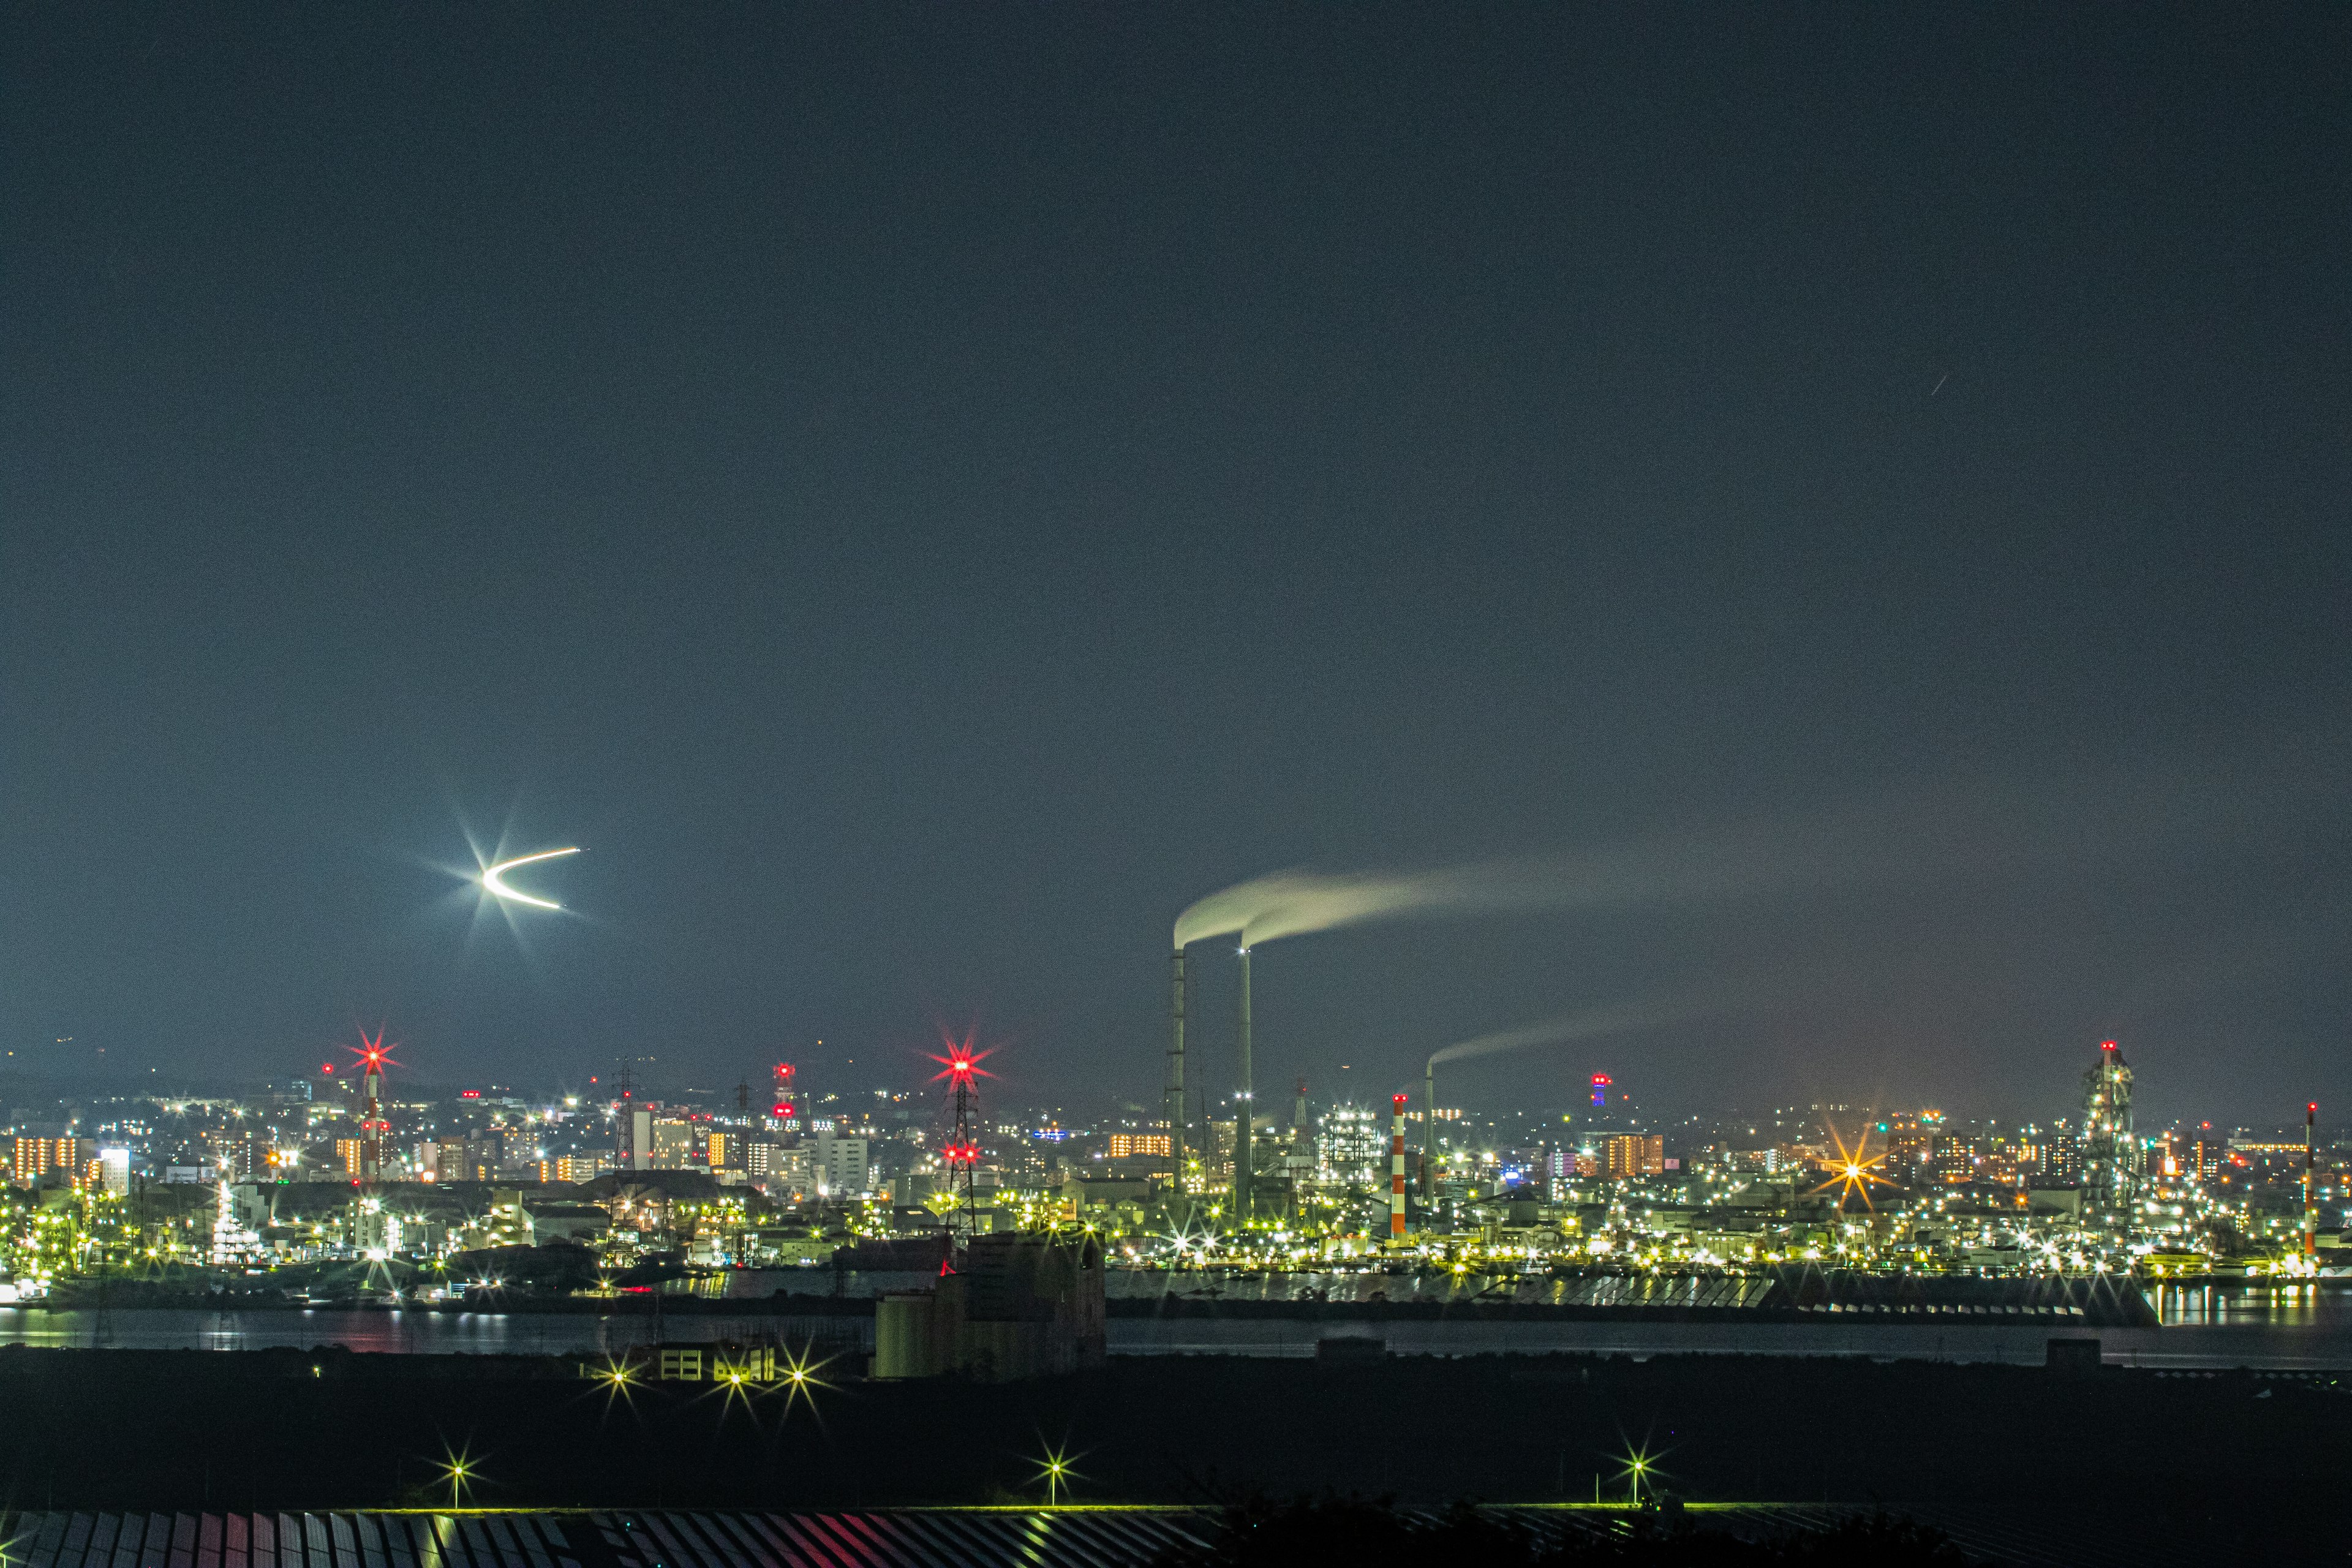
x,y
1971,830
1292,903
1624,1018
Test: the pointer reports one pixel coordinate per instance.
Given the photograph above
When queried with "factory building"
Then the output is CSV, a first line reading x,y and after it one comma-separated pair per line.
x,y
1022,1304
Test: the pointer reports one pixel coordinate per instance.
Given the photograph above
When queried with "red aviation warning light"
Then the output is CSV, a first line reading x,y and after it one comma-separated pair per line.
x,y
962,1064
373,1054
1601,1085
783,1107
373,1058
960,1153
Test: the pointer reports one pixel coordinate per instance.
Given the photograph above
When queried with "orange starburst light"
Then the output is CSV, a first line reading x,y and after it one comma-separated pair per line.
x,y
1854,1172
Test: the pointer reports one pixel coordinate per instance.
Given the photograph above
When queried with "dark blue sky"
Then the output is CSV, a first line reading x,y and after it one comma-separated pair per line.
x,y
925,493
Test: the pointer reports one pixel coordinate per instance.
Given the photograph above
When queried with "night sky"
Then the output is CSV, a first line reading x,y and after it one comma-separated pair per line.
x,y
923,494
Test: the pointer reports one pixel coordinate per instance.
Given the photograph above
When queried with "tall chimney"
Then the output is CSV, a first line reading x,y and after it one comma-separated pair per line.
x,y
1176,1067
1244,1170
1396,1169
1429,1134
2310,1171
373,1125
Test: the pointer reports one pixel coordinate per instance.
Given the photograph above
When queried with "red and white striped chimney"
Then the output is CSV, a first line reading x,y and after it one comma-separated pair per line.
x,y
1396,1171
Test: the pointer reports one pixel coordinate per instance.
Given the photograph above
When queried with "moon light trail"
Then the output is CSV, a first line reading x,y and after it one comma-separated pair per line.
x,y
493,885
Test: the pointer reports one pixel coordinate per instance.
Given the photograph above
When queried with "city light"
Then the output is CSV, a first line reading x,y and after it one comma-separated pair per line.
x,y
1853,1174
619,1380
800,1378
1956,1218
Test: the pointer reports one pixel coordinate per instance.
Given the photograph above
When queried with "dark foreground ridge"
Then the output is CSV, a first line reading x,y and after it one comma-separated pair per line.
x,y
2227,1465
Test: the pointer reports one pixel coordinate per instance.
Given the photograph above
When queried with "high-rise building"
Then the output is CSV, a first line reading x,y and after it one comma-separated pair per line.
x,y
37,1157
1128,1145
783,1172
2111,1164
245,1156
1633,1154
2061,1155
581,1167
677,1145
842,1164
351,1155
1955,1160
462,1159
1911,1147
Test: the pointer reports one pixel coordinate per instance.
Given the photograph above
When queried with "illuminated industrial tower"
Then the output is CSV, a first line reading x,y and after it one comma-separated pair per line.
x,y
2310,1179
1175,1087
373,1058
787,1111
625,1120
2110,1154
1396,1170
1245,1165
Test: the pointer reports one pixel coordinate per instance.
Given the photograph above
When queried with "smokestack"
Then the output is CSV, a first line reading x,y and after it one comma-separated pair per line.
x,y
2310,1197
1396,1170
1176,1066
373,1125
1244,1170
1428,1132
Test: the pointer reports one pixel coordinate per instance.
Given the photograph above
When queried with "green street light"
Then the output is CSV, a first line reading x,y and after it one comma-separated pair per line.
x,y
1056,1471
457,1468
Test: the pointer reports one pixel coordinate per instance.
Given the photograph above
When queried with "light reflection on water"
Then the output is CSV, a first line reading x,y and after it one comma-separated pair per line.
x,y
2298,1326
2285,1305
2324,1304
395,1332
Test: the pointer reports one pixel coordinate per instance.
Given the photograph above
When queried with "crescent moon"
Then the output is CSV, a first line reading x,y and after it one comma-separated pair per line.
x,y
492,884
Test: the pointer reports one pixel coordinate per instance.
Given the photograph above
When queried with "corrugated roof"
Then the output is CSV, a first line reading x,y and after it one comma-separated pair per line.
x,y
1076,1537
